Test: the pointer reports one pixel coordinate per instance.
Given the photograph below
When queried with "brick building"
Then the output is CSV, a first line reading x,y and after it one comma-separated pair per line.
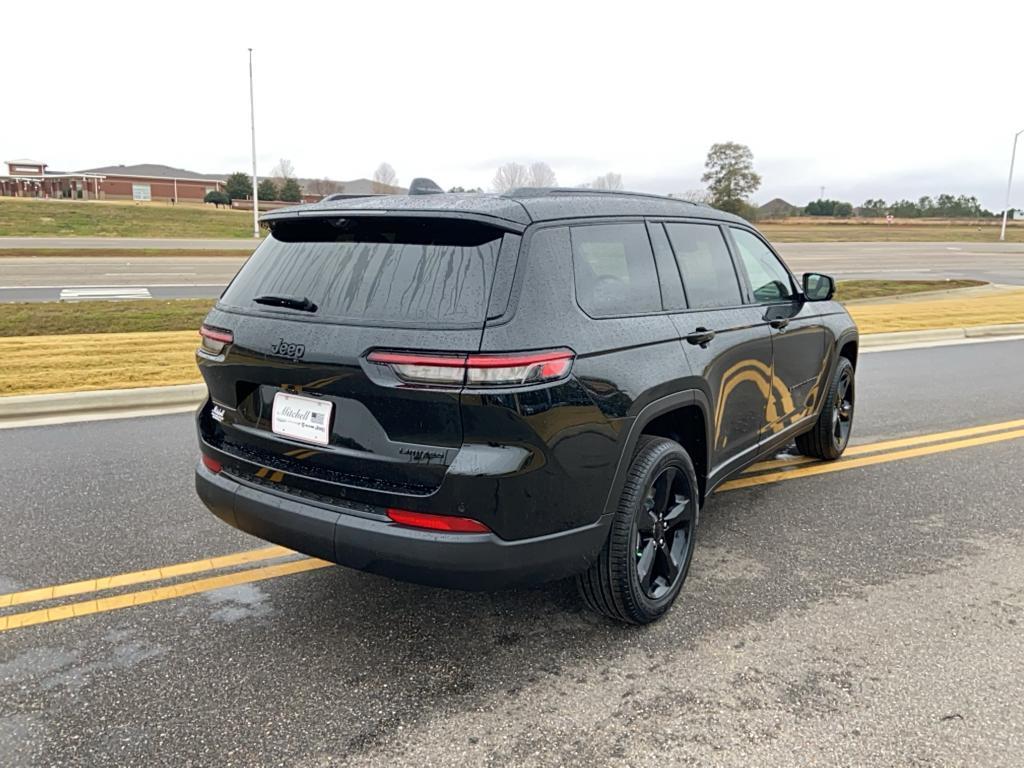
x,y
31,178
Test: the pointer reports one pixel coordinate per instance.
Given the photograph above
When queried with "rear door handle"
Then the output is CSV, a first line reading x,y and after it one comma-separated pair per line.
x,y
700,336
779,322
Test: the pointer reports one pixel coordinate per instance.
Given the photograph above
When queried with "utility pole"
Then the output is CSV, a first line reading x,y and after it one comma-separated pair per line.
x,y
255,180
1009,184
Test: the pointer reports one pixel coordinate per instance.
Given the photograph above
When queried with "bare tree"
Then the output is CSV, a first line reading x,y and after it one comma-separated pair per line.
x,y
283,170
608,181
701,196
324,186
510,176
541,175
384,178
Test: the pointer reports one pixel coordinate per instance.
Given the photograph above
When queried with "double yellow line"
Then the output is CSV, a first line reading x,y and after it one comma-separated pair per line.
x,y
877,453
156,594
289,563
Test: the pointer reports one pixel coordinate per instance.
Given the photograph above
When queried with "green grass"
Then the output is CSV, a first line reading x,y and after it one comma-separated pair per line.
x,y
128,253
69,218
51,318
848,290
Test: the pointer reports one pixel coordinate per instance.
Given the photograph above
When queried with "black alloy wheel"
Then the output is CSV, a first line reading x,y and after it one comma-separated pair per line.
x,y
842,409
642,567
828,438
664,533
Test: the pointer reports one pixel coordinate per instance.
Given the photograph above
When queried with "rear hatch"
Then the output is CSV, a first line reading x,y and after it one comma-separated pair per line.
x,y
293,396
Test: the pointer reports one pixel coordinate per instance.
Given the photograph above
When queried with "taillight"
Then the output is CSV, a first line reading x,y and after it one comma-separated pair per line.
x,y
212,464
477,370
437,522
214,339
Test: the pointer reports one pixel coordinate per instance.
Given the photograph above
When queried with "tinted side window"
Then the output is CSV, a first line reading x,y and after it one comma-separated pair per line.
x,y
614,269
709,277
768,278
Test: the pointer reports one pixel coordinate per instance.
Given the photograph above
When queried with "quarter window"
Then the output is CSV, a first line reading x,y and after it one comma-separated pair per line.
x,y
709,277
614,268
769,280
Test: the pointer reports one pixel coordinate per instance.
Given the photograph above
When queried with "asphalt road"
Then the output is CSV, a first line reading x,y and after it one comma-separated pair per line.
x,y
43,278
873,615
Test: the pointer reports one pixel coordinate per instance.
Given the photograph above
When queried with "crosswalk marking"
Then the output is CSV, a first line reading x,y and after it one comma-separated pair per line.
x,y
80,294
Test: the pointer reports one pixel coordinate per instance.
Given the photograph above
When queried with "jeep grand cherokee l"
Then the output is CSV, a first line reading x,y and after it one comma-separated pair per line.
x,y
478,391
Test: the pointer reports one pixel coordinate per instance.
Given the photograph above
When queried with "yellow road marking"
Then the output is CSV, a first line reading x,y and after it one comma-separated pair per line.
x,y
885,445
157,594
183,589
140,577
842,464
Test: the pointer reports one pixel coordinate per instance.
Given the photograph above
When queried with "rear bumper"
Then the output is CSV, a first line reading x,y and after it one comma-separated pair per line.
x,y
370,542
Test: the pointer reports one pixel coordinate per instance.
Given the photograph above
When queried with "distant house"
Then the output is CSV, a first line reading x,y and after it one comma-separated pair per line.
x,y
777,209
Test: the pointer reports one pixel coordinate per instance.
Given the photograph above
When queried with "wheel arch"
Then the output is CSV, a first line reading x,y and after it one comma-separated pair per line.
x,y
683,417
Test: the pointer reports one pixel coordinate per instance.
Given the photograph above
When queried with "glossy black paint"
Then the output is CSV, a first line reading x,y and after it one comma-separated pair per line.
x,y
529,462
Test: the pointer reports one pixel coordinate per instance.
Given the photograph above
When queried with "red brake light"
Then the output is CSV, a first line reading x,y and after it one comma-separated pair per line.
x,y
212,464
477,370
216,334
437,522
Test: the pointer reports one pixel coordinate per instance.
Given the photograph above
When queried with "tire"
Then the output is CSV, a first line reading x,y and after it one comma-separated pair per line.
x,y
828,438
652,537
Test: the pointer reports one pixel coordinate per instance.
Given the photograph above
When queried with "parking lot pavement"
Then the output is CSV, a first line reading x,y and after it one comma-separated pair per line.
x,y
869,615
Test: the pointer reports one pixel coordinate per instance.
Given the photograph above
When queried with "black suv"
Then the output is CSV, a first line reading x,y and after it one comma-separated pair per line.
x,y
478,391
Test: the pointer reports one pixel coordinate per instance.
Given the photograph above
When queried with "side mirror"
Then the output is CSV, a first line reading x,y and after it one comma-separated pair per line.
x,y
818,287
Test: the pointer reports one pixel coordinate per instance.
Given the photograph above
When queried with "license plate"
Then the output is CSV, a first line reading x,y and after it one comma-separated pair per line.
x,y
302,418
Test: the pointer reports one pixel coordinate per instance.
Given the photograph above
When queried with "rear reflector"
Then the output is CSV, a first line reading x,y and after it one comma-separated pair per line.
x,y
483,370
437,522
211,464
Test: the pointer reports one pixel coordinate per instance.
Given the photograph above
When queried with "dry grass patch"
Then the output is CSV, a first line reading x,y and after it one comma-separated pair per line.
x,y
856,231
940,313
64,363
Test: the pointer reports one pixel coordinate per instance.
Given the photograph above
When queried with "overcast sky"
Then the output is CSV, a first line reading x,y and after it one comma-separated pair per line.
x,y
893,99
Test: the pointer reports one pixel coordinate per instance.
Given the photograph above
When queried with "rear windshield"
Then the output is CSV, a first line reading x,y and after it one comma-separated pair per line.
x,y
369,271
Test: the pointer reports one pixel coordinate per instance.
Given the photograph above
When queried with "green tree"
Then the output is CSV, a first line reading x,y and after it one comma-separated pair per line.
x,y
238,186
290,191
843,210
729,174
873,208
268,190
217,197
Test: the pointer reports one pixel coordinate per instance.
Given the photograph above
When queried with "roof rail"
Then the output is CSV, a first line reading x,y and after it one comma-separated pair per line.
x,y
556,191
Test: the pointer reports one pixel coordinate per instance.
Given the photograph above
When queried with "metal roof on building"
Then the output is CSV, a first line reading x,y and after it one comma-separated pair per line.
x,y
154,170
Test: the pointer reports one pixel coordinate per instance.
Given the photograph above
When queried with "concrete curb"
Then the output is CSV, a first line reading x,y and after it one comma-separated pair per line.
x,y
28,410
877,340
70,404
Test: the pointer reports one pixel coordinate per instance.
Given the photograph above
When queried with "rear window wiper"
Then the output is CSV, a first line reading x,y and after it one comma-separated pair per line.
x,y
303,304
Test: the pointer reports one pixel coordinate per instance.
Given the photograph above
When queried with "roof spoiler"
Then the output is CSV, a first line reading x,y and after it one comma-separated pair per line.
x,y
423,186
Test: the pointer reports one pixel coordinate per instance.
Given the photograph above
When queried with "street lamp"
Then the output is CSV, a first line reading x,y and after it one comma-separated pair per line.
x,y
255,180
1009,183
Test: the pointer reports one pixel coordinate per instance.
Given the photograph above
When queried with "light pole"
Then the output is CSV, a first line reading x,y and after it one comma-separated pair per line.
x,y
255,180
1009,184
